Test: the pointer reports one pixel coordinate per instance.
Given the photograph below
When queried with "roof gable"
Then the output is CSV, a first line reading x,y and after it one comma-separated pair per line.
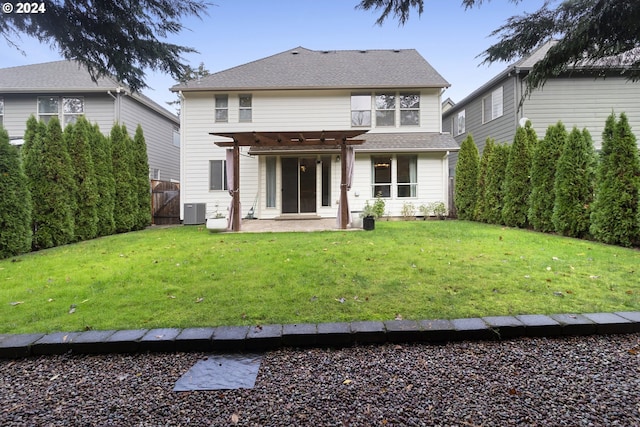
x,y
302,68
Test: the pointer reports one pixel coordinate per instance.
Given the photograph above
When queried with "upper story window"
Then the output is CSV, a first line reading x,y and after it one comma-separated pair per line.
x,y
176,137
222,109
245,108
1,111
361,109
461,123
409,109
385,109
48,106
72,108
492,105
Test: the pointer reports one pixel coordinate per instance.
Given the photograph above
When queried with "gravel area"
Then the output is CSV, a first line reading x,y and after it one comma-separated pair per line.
x,y
578,381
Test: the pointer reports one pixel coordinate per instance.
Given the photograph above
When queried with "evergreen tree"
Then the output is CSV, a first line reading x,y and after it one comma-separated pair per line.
x,y
125,197
517,178
543,176
29,134
496,171
15,202
52,188
142,183
575,177
481,210
86,215
614,217
105,181
467,170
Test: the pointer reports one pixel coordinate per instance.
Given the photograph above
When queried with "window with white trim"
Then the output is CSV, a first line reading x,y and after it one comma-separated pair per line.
x,y
271,181
72,108
1,111
217,175
222,109
385,109
154,173
492,105
245,111
176,137
48,106
409,109
381,173
407,175
360,109
461,122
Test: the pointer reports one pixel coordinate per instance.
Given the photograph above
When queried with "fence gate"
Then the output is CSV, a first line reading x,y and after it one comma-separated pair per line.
x,y
165,202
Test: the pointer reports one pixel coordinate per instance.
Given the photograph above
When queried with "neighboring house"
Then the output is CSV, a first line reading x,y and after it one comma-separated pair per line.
x,y
65,89
392,96
581,97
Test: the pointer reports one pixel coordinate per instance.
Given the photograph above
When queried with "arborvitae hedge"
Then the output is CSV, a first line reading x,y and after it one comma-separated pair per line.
x,y
52,187
517,179
614,217
575,176
15,203
494,193
105,182
125,205
543,176
86,215
467,170
142,184
481,210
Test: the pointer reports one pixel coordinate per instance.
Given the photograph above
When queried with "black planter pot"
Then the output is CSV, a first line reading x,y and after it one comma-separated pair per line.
x,y
368,223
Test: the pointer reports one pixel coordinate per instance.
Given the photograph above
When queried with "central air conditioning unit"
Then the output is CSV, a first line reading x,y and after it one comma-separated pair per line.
x,y
195,213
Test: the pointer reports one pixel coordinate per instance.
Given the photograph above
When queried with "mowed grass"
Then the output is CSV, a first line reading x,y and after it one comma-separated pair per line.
x,y
188,277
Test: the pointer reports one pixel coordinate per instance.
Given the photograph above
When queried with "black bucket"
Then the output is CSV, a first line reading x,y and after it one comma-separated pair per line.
x,y
368,223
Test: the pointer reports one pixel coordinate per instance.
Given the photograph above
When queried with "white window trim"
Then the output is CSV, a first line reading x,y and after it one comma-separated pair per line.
x,y
76,115
461,125
1,111
223,176
241,108
216,108
497,105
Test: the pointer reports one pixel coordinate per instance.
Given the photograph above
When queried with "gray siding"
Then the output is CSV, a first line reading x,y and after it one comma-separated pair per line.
x,y
158,133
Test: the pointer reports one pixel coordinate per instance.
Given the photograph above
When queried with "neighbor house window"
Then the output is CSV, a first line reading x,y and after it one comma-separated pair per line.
x,y
222,108
361,109
492,105
217,175
1,111
461,125
407,176
154,173
176,137
385,109
271,182
72,108
381,167
409,109
245,108
48,106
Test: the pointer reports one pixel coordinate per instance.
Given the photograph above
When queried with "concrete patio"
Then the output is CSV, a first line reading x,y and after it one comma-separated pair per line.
x,y
298,223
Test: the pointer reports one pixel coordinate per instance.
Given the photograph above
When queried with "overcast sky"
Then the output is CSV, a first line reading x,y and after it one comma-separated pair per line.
x,y
449,37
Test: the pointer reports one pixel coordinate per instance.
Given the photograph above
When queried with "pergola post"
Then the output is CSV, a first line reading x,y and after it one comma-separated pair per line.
x,y
344,212
236,187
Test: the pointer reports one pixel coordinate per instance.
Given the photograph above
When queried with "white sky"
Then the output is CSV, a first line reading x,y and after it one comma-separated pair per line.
x,y
449,37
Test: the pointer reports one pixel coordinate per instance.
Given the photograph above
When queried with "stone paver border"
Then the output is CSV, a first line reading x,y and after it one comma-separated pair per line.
x,y
267,337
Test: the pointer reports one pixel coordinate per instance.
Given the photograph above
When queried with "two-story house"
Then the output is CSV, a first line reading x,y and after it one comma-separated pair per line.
x,y
388,101
65,89
584,96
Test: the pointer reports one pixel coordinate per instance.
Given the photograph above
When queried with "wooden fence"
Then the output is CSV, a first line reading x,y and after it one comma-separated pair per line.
x,y
165,202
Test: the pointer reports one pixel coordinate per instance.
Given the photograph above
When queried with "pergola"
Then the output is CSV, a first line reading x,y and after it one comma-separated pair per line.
x,y
302,139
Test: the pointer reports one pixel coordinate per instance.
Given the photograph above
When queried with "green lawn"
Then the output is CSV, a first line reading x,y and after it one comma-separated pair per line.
x,y
186,276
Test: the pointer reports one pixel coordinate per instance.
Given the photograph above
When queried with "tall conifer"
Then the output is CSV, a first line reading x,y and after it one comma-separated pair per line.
x,y
467,170
141,178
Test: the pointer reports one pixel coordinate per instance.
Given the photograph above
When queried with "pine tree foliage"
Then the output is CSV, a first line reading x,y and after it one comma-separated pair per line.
x,y
496,173
614,217
141,178
125,203
79,146
105,181
517,179
15,201
543,176
481,209
52,187
574,184
467,170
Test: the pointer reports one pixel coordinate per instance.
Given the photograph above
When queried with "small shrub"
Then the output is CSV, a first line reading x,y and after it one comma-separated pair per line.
x,y
408,211
378,206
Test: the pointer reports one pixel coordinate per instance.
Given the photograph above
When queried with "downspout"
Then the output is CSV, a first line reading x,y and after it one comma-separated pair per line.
x,y
116,104
182,152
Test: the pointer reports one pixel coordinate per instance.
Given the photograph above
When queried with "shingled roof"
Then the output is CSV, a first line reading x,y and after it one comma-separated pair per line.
x,y
301,68
66,77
